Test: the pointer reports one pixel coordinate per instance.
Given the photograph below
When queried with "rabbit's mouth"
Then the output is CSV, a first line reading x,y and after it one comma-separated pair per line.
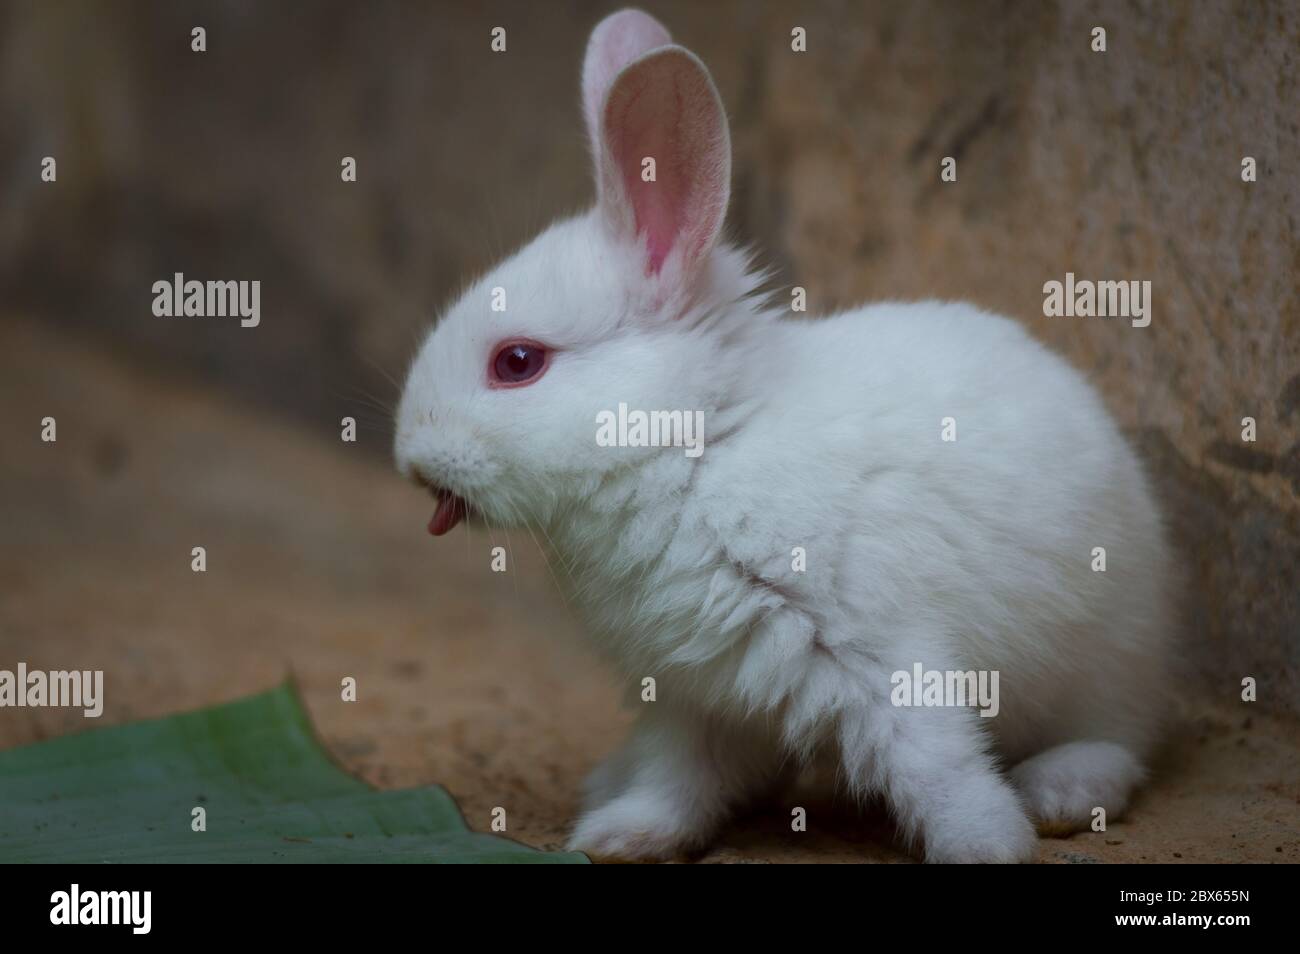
x,y
452,509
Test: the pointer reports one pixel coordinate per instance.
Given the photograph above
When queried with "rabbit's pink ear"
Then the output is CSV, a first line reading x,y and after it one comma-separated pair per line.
x,y
616,41
663,156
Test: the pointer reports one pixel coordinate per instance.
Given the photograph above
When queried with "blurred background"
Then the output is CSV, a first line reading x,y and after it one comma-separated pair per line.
x,y
226,165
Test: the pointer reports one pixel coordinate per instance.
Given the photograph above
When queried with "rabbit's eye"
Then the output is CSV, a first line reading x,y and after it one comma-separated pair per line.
x,y
517,363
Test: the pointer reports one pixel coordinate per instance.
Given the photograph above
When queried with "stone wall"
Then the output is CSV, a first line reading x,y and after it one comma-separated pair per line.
x,y
1117,165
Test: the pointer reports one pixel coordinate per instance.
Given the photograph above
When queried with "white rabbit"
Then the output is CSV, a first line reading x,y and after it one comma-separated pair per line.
x,y
824,442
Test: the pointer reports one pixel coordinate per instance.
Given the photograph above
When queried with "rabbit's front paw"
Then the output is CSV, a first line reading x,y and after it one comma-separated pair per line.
x,y
988,828
639,825
1064,786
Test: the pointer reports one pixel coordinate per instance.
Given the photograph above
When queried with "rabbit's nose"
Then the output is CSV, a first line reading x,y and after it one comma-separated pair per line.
x,y
407,464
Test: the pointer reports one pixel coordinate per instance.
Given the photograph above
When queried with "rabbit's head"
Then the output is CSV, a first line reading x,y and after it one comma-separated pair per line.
x,y
619,305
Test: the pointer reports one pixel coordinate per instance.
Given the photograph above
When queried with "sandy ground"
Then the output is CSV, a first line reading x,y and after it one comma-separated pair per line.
x,y
318,566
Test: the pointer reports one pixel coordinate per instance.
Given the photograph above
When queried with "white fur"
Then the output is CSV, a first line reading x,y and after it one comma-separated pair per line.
x,y
825,435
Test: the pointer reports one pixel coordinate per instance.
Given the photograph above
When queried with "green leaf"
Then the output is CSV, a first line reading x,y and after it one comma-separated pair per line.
x,y
271,794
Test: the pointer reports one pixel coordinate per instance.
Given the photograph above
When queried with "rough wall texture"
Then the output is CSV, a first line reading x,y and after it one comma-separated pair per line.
x,y
1116,165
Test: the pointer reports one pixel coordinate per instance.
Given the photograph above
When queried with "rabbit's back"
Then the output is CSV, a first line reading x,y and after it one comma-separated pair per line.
x,y
997,509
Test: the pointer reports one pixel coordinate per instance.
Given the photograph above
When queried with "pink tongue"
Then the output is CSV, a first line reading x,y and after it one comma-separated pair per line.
x,y
451,511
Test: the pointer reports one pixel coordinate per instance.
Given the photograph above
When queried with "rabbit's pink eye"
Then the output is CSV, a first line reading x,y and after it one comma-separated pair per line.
x,y
518,362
